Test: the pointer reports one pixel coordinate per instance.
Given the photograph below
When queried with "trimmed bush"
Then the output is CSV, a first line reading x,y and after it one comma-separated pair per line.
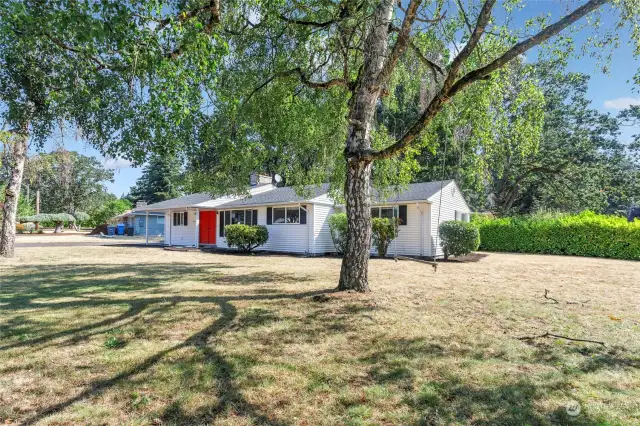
x,y
246,237
383,231
58,219
584,234
458,238
338,228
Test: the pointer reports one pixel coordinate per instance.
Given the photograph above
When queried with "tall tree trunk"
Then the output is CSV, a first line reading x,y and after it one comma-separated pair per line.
x,y
12,192
355,263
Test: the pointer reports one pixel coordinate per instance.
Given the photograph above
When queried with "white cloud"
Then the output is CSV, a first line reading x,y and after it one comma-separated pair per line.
x,y
621,103
116,163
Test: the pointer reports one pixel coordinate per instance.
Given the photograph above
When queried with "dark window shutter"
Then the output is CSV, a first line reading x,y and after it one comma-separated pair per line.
x,y
175,218
254,220
221,224
402,213
303,215
185,220
269,218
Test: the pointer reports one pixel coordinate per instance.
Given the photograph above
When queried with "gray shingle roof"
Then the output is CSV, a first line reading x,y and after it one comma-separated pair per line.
x,y
282,195
415,192
180,202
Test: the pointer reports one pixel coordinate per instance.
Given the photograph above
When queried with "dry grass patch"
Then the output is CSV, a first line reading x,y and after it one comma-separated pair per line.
x,y
125,335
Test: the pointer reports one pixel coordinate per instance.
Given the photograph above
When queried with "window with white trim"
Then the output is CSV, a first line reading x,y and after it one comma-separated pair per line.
x,y
237,217
160,220
180,219
287,215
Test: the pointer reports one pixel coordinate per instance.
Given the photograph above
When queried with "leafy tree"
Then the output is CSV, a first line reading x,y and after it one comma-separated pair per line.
x,y
108,210
71,182
159,181
291,77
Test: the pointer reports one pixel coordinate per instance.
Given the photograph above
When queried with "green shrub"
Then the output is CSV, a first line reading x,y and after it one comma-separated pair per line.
x,y
338,228
458,238
383,231
584,234
57,219
246,237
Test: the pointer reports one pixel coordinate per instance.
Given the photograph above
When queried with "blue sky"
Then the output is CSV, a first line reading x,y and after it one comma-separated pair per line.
x,y
607,92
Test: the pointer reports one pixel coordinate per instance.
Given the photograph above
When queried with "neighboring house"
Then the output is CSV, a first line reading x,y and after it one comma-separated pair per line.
x,y
137,220
299,224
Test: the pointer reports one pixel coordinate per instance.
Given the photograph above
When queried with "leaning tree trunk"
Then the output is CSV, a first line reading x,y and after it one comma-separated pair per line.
x,y
12,193
355,263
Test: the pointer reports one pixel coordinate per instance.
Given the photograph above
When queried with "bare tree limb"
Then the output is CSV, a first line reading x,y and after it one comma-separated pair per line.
x,y
558,336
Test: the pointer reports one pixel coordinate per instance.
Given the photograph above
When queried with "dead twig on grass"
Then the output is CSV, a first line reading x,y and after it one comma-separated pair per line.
x,y
558,336
546,296
569,302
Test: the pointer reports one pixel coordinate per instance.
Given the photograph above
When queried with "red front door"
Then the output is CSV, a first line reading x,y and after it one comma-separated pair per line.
x,y
207,227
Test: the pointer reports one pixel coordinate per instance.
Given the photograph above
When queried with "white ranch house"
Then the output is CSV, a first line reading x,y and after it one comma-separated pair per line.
x,y
300,224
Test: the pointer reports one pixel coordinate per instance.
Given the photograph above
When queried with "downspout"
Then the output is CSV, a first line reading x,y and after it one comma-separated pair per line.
x,y
170,226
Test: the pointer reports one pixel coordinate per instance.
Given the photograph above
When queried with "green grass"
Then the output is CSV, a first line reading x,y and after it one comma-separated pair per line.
x,y
111,335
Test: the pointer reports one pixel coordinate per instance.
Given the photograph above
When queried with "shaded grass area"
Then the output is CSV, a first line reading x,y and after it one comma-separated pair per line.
x,y
193,338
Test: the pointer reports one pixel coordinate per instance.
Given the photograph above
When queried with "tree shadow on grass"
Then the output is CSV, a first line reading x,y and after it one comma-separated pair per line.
x,y
453,399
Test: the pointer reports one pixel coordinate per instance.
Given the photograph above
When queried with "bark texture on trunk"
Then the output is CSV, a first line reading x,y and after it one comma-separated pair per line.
x,y
355,263
12,192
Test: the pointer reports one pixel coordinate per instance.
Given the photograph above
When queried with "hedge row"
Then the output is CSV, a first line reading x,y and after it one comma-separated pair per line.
x,y
584,234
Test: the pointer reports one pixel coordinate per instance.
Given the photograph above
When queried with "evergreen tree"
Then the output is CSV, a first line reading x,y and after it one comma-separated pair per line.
x,y
159,181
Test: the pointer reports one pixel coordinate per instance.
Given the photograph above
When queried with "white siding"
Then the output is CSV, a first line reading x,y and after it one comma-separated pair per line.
x,y
183,235
413,238
167,227
287,238
452,201
322,242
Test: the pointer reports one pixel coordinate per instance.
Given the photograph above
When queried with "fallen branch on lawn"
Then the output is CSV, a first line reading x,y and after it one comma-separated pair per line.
x,y
557,336
546,293
546,296
434,264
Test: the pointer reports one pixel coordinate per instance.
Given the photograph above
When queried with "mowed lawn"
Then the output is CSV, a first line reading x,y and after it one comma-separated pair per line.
x,y
143,336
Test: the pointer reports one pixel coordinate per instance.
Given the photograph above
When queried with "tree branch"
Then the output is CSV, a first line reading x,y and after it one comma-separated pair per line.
x,y
402,41
558,336
525,45
303,79
449,88
213,7
428,62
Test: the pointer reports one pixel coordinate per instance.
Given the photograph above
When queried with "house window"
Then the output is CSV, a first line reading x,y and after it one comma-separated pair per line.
x,y
141,223
160,220
237,216
233,217
399,212
386,212
180,219
280,215
287,215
